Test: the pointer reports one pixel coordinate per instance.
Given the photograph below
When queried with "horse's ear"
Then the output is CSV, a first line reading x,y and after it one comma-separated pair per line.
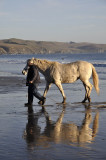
x,y
32,60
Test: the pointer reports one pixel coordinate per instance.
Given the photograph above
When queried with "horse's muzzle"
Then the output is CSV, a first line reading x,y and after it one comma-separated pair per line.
x,y
24,72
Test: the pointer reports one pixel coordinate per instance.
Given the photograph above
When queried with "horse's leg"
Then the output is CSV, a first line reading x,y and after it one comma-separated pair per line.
x,y
86,93
88,88
58,84
48,85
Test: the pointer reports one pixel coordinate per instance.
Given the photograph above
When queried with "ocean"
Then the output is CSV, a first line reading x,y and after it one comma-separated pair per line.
x,y
54,131
11,65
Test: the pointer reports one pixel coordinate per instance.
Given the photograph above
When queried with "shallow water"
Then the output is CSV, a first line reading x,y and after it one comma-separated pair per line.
x,y
71,131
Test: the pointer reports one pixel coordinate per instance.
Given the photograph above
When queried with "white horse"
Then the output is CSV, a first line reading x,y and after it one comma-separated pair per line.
x,y
57,73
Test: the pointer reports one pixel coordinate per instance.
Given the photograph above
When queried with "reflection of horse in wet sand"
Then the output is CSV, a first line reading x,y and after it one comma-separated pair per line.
x,y
57,73
60,132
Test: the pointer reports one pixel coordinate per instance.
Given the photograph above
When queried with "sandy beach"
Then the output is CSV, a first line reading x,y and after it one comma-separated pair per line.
x,y
54,131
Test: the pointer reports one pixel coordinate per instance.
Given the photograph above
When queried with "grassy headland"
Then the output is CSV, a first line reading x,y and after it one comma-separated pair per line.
x,y
19,46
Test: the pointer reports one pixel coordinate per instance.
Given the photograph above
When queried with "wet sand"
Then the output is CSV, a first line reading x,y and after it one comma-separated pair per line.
x,y
54,131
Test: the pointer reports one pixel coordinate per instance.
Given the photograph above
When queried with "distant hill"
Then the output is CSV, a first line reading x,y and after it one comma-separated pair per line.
x,y
19,46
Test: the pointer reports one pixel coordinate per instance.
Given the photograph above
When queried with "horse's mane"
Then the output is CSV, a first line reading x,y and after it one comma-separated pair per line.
x,y
44,61
47,61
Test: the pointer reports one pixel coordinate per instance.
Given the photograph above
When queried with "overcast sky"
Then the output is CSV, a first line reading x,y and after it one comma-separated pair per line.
x,y
54,20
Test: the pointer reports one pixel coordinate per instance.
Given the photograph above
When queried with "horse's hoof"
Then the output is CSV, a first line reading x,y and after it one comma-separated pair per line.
x,y
89,99
42,101
64,102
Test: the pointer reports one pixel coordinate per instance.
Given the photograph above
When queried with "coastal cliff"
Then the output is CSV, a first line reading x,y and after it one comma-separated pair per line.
x,y
19,46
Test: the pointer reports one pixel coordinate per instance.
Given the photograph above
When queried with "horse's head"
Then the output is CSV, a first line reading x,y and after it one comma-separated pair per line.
x,y
25,70
30,62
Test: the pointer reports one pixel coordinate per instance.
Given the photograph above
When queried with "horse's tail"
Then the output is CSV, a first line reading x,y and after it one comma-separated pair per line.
x,y
95,79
